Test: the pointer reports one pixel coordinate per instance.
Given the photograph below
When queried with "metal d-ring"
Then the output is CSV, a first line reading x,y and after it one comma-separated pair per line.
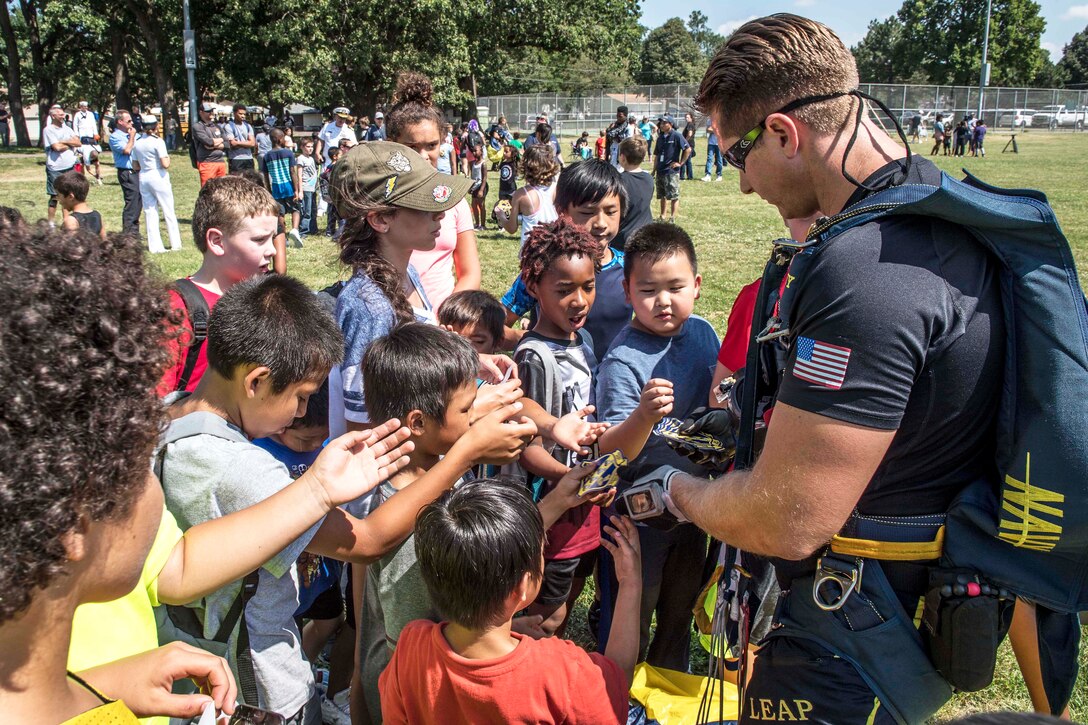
x,y
846,581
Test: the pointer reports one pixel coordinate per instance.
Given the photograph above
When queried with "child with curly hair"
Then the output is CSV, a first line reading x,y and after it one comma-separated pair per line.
x,y
556,362
83,349
533,203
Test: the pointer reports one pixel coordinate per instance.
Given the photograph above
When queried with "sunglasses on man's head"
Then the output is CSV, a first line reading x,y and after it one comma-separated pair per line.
x,y
735,154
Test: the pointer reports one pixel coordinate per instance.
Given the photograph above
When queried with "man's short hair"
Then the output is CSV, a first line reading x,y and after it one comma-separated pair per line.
x,y
276,136
633,149
237,107
74,183
416,367
657,241
84,344
273,321
121,112
623,110
224,203
588,182
769,62
474,546
474,307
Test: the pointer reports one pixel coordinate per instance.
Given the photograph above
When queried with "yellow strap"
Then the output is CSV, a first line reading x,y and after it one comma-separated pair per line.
x,y
890,550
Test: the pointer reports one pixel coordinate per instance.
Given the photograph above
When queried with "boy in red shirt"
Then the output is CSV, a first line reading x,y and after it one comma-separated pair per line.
x,y
234,225
480,551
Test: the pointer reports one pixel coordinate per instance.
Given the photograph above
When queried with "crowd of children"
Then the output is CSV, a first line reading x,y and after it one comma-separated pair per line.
x,y
324,512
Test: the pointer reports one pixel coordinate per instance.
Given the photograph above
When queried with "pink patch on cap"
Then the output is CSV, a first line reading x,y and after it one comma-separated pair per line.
x,y
441,193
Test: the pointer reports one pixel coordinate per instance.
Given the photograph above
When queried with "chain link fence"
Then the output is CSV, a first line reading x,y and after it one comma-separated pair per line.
x,y
1003,108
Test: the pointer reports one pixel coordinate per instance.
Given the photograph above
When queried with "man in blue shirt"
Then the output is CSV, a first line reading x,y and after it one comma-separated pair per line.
x,y
671,152
121,142
376,132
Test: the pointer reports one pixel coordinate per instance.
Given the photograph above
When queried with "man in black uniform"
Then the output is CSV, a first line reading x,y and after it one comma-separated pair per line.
x,y
892,372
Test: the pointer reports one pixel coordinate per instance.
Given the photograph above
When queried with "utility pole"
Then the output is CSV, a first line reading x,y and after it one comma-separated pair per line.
x,y
984,75
189,42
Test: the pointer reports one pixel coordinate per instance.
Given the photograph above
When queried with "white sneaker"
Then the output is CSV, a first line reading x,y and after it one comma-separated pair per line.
x,y
718,179
336,711
294,235
706,178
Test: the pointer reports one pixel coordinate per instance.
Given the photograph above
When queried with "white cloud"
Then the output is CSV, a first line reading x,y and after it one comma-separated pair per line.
x,y
729,26
1076,11
805,3
1054,50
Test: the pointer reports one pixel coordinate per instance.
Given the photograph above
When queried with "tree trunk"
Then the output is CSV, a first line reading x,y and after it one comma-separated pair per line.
x,y
122,96
15,87
45,82
164,79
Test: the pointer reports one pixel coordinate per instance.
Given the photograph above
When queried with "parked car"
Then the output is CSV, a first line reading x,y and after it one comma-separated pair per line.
x,y
1059,116
1015,118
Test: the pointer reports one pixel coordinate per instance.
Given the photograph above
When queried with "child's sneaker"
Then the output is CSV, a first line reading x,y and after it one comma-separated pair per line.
x,y
336,711
719,178
707,177
294,235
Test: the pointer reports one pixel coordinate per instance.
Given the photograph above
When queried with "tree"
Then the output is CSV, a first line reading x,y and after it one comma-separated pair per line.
x,y
670,55
708,40
879,54
1074,61
940,42
13,72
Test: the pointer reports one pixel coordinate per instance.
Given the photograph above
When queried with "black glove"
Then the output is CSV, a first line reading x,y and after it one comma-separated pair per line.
x,y
721,424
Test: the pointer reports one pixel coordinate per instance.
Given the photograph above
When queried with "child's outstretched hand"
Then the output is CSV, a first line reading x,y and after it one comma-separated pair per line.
x,y
624,548
358,461
497,368
575,433
490,398
498,437
656,399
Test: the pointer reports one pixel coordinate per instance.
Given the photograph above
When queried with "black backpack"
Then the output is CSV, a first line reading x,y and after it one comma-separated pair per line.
x,y
197,309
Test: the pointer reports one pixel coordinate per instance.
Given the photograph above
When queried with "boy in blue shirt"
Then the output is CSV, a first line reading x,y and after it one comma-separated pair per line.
x,y
665,340
592,196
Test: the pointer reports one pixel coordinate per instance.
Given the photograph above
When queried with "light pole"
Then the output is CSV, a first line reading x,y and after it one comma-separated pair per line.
x,y
189,42
984,75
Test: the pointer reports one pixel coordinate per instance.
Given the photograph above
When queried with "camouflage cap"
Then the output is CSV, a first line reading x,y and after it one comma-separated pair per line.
x,y
389,173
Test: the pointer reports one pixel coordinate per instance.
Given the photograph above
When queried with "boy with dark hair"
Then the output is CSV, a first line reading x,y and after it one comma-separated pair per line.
x,y
671,152
271,344
426,377
234,226
308,178
281,171
556,365
240,140
479,550
591,195
476,316
640,190
664,340
72,188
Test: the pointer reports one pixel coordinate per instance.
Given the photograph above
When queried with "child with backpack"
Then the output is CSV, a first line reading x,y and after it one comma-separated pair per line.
x,y
234,226
591,194
281,171
556,364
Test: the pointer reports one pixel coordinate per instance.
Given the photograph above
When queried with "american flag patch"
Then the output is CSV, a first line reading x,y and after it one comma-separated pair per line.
x,y
820,363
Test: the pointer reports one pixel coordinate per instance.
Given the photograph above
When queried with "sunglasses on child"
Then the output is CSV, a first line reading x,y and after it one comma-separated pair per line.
x,y
739,151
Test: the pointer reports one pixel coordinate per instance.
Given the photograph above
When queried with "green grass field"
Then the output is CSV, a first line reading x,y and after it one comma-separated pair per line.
x,y
731,232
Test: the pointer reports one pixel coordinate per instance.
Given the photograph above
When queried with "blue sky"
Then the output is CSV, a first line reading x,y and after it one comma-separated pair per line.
x,y
850,19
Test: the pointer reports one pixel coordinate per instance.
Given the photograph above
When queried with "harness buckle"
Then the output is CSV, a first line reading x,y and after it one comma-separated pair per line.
x,y
843,576
772,331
